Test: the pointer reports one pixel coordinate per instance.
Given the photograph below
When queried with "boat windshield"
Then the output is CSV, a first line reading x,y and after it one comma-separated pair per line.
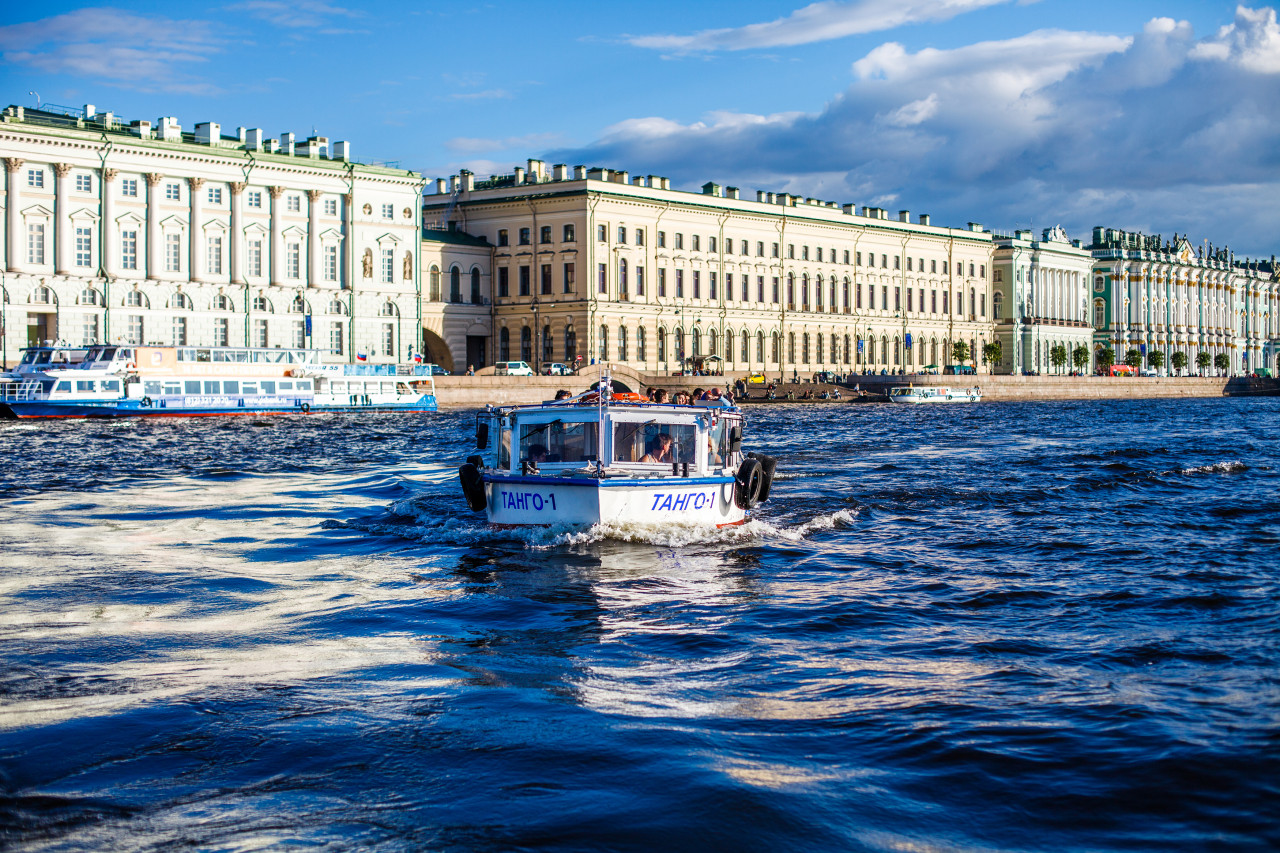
x,y
559,442
654,443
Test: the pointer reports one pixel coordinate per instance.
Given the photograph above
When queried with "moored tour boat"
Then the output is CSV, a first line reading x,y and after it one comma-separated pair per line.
x,y
606,457
111,381
934,394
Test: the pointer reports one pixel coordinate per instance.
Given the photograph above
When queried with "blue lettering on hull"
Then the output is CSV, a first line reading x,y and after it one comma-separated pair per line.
x,y
682,502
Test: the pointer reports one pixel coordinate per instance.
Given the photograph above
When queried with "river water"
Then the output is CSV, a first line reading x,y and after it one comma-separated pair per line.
x,y
1020,626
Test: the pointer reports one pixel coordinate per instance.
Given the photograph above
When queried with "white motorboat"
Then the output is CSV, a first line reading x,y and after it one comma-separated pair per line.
x,y
613,457
934,394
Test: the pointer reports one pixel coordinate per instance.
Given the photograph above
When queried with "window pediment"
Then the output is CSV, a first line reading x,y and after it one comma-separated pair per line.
x,y
84,214
255,228
332,235
129,218
294,231
173,223
37,211
391,239
215,225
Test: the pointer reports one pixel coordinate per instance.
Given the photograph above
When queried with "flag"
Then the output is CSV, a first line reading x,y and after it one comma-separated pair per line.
x,y
417,357
360,356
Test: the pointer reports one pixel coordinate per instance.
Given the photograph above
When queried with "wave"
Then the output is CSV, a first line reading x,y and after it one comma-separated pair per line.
x,y
1233,467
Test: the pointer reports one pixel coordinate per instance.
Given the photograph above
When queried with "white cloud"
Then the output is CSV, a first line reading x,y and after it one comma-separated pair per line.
x,y
817,22
1078,126
295,14
476,145
139,51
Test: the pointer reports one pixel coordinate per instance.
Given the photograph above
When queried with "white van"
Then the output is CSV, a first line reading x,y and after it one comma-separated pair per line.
x,y
512,368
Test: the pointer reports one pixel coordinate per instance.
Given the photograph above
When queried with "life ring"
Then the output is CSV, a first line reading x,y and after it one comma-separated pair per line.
x,y
627,397
472,486
146,402
768,464
748,483
948,396
306,408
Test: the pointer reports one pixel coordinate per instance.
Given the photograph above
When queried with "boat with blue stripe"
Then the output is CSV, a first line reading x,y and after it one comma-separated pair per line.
x,y
611,456
114,381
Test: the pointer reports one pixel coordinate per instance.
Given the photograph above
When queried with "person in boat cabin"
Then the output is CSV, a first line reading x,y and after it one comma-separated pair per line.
x,y
659,449
537,453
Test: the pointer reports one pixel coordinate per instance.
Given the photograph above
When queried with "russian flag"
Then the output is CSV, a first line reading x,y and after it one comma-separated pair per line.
x,y
361,356
417,356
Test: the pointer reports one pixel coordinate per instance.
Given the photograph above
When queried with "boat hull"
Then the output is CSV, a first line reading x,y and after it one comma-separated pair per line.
x,y
520,501
180,409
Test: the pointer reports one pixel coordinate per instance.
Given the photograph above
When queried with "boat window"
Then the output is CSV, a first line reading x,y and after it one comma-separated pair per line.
x,y
286,386
172,386
654,443
268,386
111,385
204,355
338,387
402,388
28,358
231,386
249,388
191,386
561,442
64,386
43,357
212,386
150,387
303,385
718,443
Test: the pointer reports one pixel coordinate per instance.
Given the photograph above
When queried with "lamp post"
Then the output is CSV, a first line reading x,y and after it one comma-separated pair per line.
x,y
537,333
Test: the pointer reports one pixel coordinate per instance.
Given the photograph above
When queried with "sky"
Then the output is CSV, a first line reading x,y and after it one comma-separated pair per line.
x,y
1161,117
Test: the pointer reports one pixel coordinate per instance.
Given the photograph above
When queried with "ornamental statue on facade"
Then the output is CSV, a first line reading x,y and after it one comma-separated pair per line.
x,y
367,263
408,266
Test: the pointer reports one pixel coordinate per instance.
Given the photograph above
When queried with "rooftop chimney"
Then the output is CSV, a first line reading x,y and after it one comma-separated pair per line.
x,y
253,139
469,180
711,188
519,175
924,219
731,192
287,143
904,216
622,177
140,129
208,133
316,145
341,151
442,186
559,171
579,173
170,130
90,111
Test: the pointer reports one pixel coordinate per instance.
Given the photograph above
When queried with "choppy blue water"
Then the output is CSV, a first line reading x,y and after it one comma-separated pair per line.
x,y
1047,626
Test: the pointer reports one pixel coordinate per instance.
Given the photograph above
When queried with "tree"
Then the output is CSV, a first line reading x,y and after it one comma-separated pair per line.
x,y
1203,360
1222,361
1133,358
960,351
1155,358
1080,358
992,353
1058,355
1178,360
1106,358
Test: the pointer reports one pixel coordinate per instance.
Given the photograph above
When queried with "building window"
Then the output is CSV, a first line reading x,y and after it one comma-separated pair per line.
x,y
173,192
293,261
173,252
569,284
388,266
640,242
759,288
524,280
760,249
622,234
640,336
299,330
84,183
526,344
545,279
602,234
524,236
84,247
336,342
697,284
221,332
388,339
693,243
640,281
254,198
775,294
388,211
129,250
662,282
711,244
133,326
679,284
255,257
604,343
330,263
35,243
568,235
476,299
662,239
548,344
455,285
804,253
504,239
215,195
622,343
504,344
330,207
129,187
179,331
213,255
679,241
504,281
35,178
544,234
603,274
135,299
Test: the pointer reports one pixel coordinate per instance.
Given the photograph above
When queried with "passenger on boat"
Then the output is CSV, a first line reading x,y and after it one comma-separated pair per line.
x,y
562,394
537,453
659,449
660,395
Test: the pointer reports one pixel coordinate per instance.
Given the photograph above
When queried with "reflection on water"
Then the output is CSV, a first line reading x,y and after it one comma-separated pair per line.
x,y
995,627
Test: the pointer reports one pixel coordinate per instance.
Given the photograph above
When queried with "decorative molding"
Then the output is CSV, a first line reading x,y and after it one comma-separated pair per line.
x,y
153,178
314,195
109,175
13,164
238,187
195,183
276,192
62,169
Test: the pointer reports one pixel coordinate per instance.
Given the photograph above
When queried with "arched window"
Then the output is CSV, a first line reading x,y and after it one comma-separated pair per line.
x,y
222,302
298,305
791,347
88,296
435,283
476,298
455,285
834,305
640,355
846,295
997,305
819,353
262,303
804,292
760,347
746,347
846,349
504,344
884,349
622,343
604,343
791,291
775,347
570,345
678,344
711,342
1099,314
817,293
132,299
662,345
526,344
336,306
548,343
389,309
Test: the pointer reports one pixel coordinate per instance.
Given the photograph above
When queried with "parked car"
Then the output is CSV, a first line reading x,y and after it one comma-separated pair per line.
x,y
827,376
557,369
437,370
756,379
1150,371
512,368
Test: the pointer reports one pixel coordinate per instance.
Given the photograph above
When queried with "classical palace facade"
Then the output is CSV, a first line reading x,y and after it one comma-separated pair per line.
x,y
130,232
1040,298
1154,294
597,266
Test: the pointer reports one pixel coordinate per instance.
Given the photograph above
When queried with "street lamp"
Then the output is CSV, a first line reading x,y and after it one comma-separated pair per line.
x,y
537,333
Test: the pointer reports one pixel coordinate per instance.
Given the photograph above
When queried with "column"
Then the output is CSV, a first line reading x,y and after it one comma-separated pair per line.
x,y
12,205
61,221
107,239
346,264
312,274
276,249
233,246
155,240
196,252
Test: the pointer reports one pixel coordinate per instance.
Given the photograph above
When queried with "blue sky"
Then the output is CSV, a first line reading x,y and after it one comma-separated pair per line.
x,y
1159,117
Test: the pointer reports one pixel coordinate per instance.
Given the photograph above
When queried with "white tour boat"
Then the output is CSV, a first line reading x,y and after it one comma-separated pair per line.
x,y
934,394
112,381
603,456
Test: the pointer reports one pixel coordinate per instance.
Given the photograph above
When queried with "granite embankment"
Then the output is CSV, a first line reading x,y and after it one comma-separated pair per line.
x,y
466,392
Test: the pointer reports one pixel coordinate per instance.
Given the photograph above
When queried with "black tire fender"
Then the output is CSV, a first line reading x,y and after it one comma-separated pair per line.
x,y
747,483
472,486
145,402
306,408
769,464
